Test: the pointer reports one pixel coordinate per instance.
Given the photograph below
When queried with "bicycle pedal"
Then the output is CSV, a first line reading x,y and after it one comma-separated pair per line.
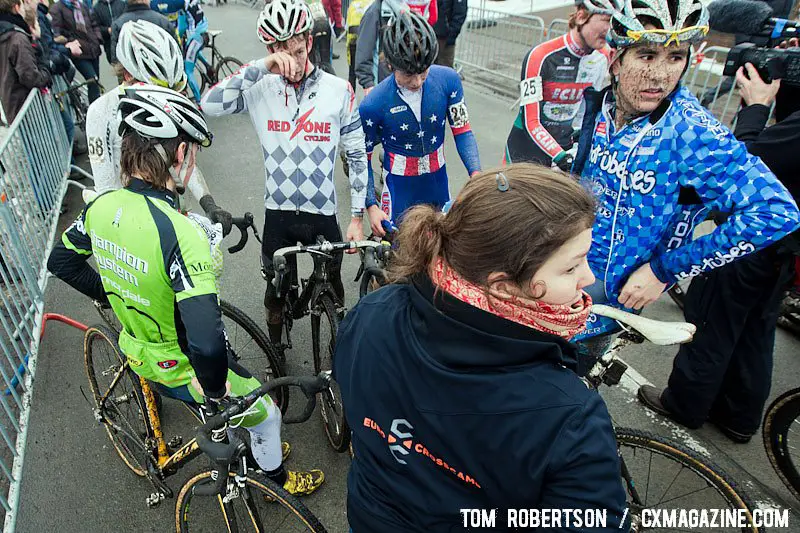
x,y
614,372
175,443
154,499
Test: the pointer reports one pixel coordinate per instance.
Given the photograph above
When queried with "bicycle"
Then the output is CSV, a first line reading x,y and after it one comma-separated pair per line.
x,y
781,435
208,74
638,479
247,342
76,97
127,407
316,297
372,271
242,484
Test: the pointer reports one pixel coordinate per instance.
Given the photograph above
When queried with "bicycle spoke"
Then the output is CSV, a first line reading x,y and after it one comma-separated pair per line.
x,y
250,505
672,482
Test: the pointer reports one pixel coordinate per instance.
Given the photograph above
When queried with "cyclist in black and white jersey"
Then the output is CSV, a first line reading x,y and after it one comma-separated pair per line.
x,y
148,54
302,116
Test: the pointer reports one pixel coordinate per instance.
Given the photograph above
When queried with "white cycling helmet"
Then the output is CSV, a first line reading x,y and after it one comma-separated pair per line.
x,y
683,20
600,7
158,113
151,55
280,20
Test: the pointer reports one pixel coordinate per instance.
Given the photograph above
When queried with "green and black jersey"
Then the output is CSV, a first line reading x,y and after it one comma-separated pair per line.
x,y
155,269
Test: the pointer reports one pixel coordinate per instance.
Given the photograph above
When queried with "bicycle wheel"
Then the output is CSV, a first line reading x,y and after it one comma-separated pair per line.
x,y
260,505
324,325
782,438
202,73
108,316
227,66
665,475
118,397
253,351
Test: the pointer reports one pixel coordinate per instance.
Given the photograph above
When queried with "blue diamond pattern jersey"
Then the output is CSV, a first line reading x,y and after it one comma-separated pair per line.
x,y
636,174
300,129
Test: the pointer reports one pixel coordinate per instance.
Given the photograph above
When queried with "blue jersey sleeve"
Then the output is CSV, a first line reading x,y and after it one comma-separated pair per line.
x,y
373,129
708,157
458,117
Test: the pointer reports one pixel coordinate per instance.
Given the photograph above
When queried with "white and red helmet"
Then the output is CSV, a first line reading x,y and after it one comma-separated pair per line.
x,y
280,20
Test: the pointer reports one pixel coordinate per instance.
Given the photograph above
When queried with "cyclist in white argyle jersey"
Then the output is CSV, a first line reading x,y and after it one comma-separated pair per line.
x,y
302,116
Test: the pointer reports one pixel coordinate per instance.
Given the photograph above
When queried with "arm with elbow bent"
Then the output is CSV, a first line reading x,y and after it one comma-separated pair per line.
x,y
585,471
762,210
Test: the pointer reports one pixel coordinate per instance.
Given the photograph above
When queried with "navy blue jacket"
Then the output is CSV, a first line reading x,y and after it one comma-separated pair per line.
x,y
452,407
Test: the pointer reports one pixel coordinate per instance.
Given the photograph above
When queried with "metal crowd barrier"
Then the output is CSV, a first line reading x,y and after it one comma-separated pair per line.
x,y
34,165
493,44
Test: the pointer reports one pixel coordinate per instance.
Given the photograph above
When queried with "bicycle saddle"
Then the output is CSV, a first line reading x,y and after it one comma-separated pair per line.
x,y
655,331
214,33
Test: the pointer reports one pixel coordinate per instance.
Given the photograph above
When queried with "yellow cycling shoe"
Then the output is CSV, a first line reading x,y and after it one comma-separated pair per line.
x,y
303,483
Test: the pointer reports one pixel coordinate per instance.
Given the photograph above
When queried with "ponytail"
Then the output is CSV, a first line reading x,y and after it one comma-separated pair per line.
x,y
420,240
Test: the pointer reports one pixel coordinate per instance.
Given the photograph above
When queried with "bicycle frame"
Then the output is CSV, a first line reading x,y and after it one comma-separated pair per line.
x,y
296,307
166,464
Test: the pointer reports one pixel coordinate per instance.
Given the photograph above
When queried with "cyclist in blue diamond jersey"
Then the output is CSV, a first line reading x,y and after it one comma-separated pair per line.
x,y
407,113
191,22
642,141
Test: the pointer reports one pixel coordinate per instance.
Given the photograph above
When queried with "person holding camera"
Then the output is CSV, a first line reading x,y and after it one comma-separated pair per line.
x,y
724,375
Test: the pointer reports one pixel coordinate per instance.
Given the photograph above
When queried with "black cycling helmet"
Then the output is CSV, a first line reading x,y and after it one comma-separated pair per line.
x,y
410,44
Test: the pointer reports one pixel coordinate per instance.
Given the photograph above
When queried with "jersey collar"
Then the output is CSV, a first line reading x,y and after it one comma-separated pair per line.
x,y
573,46
142,187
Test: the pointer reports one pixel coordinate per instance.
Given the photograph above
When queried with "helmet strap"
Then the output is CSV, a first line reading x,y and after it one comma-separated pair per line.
x,y
178,177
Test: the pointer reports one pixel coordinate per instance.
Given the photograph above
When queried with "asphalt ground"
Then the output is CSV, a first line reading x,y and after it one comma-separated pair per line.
x,y
74,482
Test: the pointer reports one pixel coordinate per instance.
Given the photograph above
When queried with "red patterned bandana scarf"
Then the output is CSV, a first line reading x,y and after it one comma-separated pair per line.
x,y
566,321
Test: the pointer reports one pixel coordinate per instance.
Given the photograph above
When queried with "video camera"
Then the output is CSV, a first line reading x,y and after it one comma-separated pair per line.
x,y
771,63
763,32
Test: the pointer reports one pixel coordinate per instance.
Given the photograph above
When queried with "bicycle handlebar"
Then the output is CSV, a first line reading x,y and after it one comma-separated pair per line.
x,y
223,454
326,248
244,224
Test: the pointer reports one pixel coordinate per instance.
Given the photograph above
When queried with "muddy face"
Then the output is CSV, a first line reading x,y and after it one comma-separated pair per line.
x,y
646,74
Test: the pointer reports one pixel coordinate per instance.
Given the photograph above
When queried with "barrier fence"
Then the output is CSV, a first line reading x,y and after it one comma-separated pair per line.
x,y
34,165
493,45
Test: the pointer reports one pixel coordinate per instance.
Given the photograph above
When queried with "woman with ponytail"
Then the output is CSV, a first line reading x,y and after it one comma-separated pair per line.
x,y
459,379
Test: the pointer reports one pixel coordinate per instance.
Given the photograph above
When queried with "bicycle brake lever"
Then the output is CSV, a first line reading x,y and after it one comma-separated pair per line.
x,y
240,223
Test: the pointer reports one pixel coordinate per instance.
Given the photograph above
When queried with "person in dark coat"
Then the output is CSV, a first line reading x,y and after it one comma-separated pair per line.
x,y
105,12
138,10
21,69
452,14
72,21
61,53
459,381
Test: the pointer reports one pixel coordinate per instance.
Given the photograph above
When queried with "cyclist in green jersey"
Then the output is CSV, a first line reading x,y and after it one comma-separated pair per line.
x,y
156,271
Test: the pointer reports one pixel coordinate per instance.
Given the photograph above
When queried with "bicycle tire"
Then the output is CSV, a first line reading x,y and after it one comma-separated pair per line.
x,y
108,316
225,68
202,73
368,282
136,426
263,487
331,407
714,476
270,367
778,420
